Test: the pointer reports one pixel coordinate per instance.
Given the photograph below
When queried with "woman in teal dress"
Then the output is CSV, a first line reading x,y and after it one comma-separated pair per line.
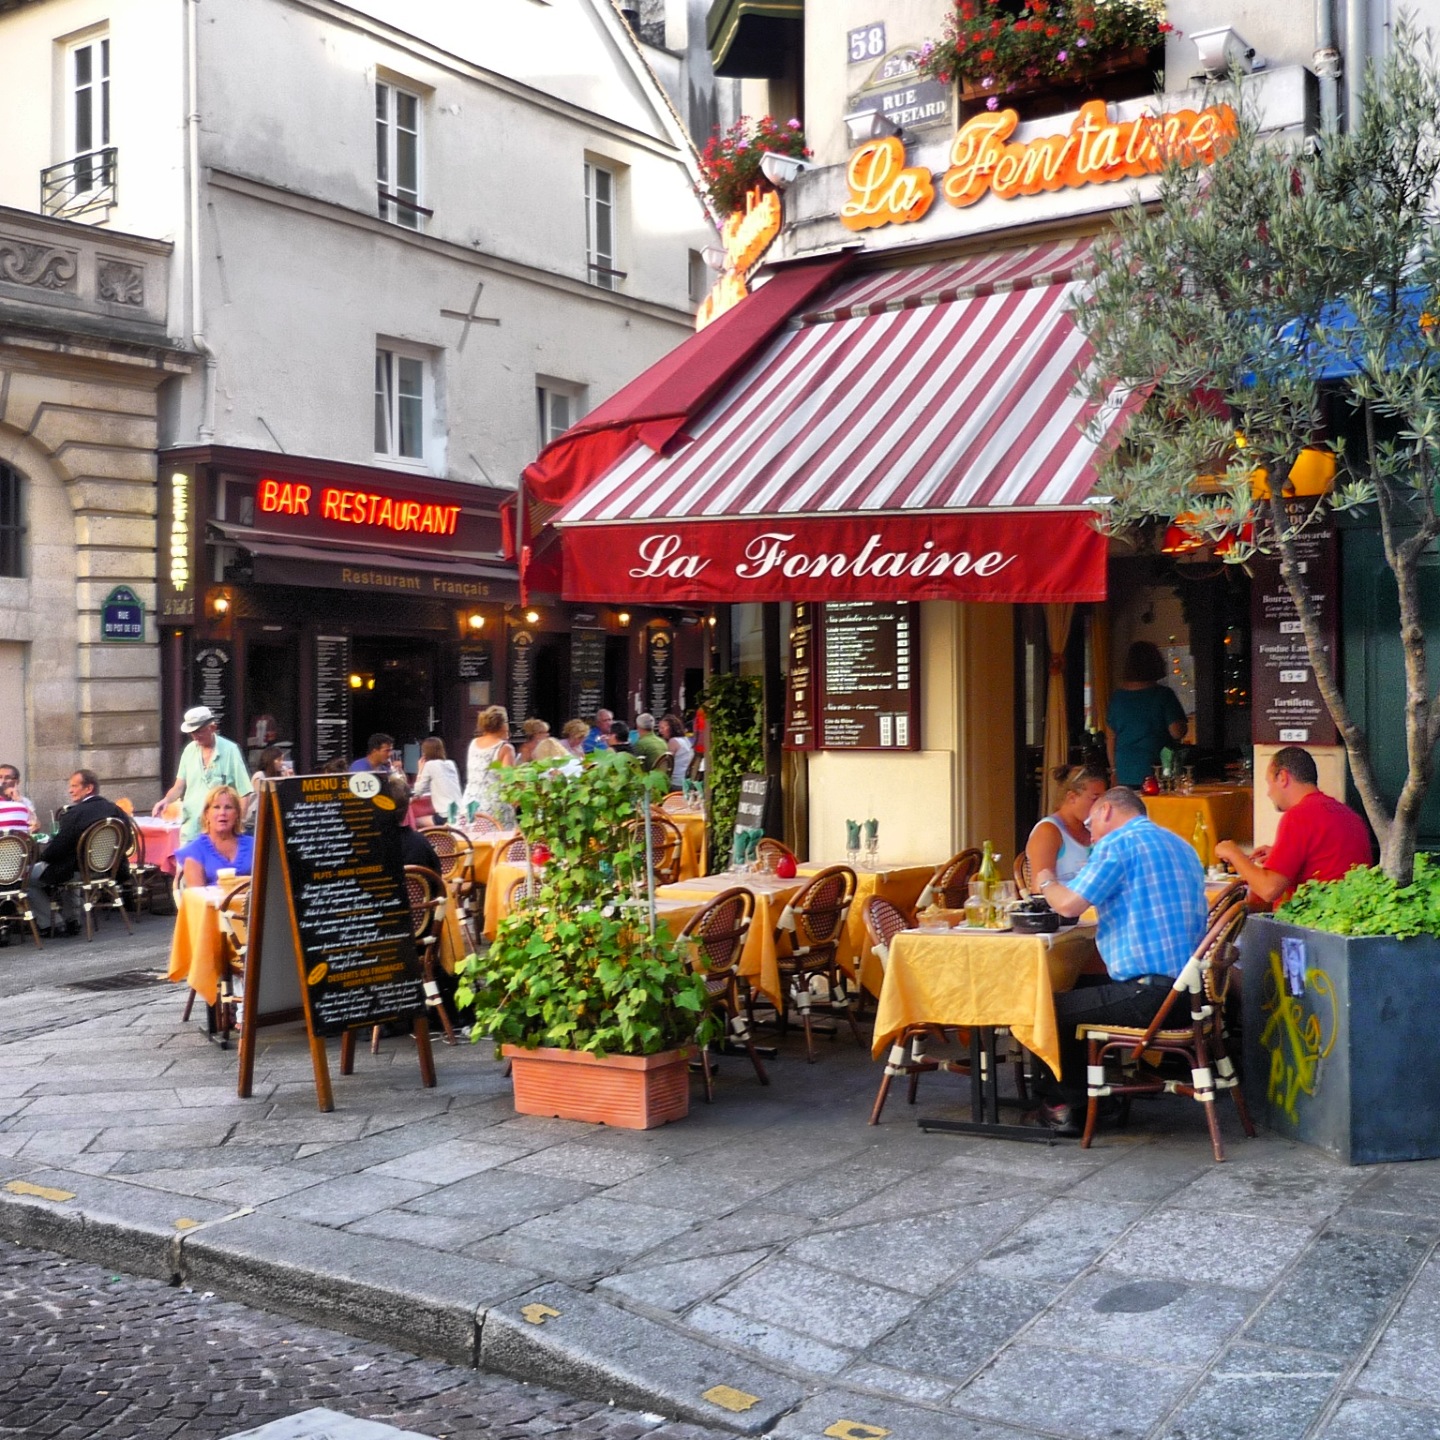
x,y
1143,717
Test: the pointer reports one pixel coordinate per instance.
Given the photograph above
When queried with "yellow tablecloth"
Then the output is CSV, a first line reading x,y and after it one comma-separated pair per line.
x,y
1228,810
759,962
483,850
195,949
691,825
502,877
981,978
901,887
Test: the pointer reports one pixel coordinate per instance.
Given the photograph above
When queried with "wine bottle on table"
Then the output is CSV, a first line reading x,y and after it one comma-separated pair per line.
x,y
989,874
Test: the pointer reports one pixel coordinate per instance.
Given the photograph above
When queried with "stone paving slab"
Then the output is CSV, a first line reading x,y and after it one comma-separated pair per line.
x,y
847,1275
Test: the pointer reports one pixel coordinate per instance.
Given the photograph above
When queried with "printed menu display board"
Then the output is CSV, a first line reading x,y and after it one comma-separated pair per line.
x,y
212,678
659,670
868,681
522,677
1286,706
800,679
332,698
331,929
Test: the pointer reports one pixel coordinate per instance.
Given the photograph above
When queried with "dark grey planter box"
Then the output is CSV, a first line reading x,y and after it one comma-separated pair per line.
x,y
1351,1065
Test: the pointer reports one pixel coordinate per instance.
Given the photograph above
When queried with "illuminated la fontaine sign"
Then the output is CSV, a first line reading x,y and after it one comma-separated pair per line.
x,y
883,190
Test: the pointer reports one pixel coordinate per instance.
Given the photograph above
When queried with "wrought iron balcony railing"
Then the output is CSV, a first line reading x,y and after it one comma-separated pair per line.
x,y
76,187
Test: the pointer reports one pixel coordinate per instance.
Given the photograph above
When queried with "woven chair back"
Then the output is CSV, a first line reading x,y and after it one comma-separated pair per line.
x,y
951,882
768,853
424,889
821,906
719,931
486,824
524,889
517,852
883,920
102,848
15,854
1236,890
452,849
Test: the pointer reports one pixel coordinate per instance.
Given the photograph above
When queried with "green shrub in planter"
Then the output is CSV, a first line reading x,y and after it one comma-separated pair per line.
x,y
577,968
1367,901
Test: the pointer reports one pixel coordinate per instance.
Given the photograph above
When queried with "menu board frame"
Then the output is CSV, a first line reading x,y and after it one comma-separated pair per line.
x,y
801,688
587,670
332,698
659,670
1286,706
520,677
886,728
752,805
284,979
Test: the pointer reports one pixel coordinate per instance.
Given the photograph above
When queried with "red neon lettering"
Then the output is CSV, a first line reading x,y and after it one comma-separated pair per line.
x,y
330,504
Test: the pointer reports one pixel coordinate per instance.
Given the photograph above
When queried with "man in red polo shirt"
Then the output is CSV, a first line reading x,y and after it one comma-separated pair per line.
x,y
1318,839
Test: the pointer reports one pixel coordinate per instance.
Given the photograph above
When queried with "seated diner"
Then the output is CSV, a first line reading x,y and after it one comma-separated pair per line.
x,y
1318,837
1148,888
220,844
1060,841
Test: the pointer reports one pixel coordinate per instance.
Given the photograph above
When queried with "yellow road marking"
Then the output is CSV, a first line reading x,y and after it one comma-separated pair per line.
x,y
42,1192
729,1398
854,1430
538,1314
186,1224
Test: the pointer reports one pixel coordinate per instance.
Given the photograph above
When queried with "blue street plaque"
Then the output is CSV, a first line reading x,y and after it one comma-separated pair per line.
x,y
122,616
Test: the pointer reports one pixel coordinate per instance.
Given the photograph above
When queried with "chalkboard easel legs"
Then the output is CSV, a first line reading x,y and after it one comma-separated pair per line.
x,y
427,1056
324,1096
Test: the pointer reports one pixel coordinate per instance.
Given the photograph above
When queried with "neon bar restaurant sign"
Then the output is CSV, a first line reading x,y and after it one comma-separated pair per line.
x,y
343,506
883,190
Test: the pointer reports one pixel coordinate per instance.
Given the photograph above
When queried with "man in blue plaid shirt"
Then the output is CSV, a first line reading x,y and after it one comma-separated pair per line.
x,y
1149,888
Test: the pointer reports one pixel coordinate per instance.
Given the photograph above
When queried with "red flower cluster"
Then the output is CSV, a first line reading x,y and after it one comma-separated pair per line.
x,y
730,161
996,45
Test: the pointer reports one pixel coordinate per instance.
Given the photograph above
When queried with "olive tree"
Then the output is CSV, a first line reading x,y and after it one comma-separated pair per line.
x,y
1253,298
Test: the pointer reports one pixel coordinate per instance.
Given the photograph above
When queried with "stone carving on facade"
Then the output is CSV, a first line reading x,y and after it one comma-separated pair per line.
x,y
120,282
46,266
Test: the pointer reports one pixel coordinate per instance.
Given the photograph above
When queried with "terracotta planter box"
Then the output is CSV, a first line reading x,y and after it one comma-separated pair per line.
x,y
634,1092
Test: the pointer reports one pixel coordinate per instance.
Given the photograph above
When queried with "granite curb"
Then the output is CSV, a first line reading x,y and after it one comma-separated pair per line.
x,y
468,1312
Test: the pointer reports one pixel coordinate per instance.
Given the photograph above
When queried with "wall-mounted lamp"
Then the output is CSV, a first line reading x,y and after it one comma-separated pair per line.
x,y
475,620
715,258
219,604
623,617
712,622
866,125
782,170
357,682
1223,48
532,617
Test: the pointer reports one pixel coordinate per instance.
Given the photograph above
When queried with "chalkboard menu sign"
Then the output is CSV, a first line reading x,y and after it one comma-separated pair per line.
x,y
587,672
754,798
332,698
211,685
869,691
522,677
329,907
474,664
1286,705
800,691
659,670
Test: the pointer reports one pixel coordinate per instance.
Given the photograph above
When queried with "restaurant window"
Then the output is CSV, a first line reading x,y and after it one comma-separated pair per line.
x,y
403,392
558,407
601,192
12,524
397,155
88,111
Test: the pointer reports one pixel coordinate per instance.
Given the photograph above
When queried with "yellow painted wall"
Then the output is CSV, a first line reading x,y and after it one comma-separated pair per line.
x,y
959,789
1329,761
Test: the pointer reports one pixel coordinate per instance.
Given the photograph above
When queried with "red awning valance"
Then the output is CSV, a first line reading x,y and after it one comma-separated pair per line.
x,y
1005,556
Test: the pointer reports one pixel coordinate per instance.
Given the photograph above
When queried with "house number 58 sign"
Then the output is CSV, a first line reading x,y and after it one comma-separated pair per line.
x,y
866,43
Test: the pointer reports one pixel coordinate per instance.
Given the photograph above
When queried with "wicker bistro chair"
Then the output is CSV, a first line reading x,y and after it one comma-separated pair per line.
x,y
425,891
17,854
524,890
664,764
675,800
1024,881
233,913
883,922
815,923
455,853
102,857
718,934
769,853
1236,892
1206,980
517,852
485,824
146,881
949,886
666,847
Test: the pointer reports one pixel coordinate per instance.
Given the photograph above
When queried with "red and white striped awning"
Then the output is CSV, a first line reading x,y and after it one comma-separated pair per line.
x,y
938,399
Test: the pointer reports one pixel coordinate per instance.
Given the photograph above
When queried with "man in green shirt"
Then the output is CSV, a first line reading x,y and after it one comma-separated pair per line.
x,y
649,747
207,761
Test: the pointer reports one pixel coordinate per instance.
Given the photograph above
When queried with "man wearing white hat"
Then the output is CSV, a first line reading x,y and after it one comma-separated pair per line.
x,y
207,761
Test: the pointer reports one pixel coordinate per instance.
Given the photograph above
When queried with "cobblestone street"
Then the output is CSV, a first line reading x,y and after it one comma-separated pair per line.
x,y
89,1353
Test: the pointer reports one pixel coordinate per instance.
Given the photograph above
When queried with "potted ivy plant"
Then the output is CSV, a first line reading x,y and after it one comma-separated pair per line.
x,y
596,1012
997,50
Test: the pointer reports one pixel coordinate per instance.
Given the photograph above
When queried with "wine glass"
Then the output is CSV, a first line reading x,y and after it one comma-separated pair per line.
x,y
872,847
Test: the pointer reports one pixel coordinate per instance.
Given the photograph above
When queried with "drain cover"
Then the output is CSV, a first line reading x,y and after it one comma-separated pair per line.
x,y
125,980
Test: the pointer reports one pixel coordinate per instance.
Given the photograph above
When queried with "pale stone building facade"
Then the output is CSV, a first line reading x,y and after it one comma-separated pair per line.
x,y
83,352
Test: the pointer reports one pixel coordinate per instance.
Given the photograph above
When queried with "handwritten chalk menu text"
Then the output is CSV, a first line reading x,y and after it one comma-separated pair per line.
x,y
753,802
341,845
800,678
869,690
1286,705
332,698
